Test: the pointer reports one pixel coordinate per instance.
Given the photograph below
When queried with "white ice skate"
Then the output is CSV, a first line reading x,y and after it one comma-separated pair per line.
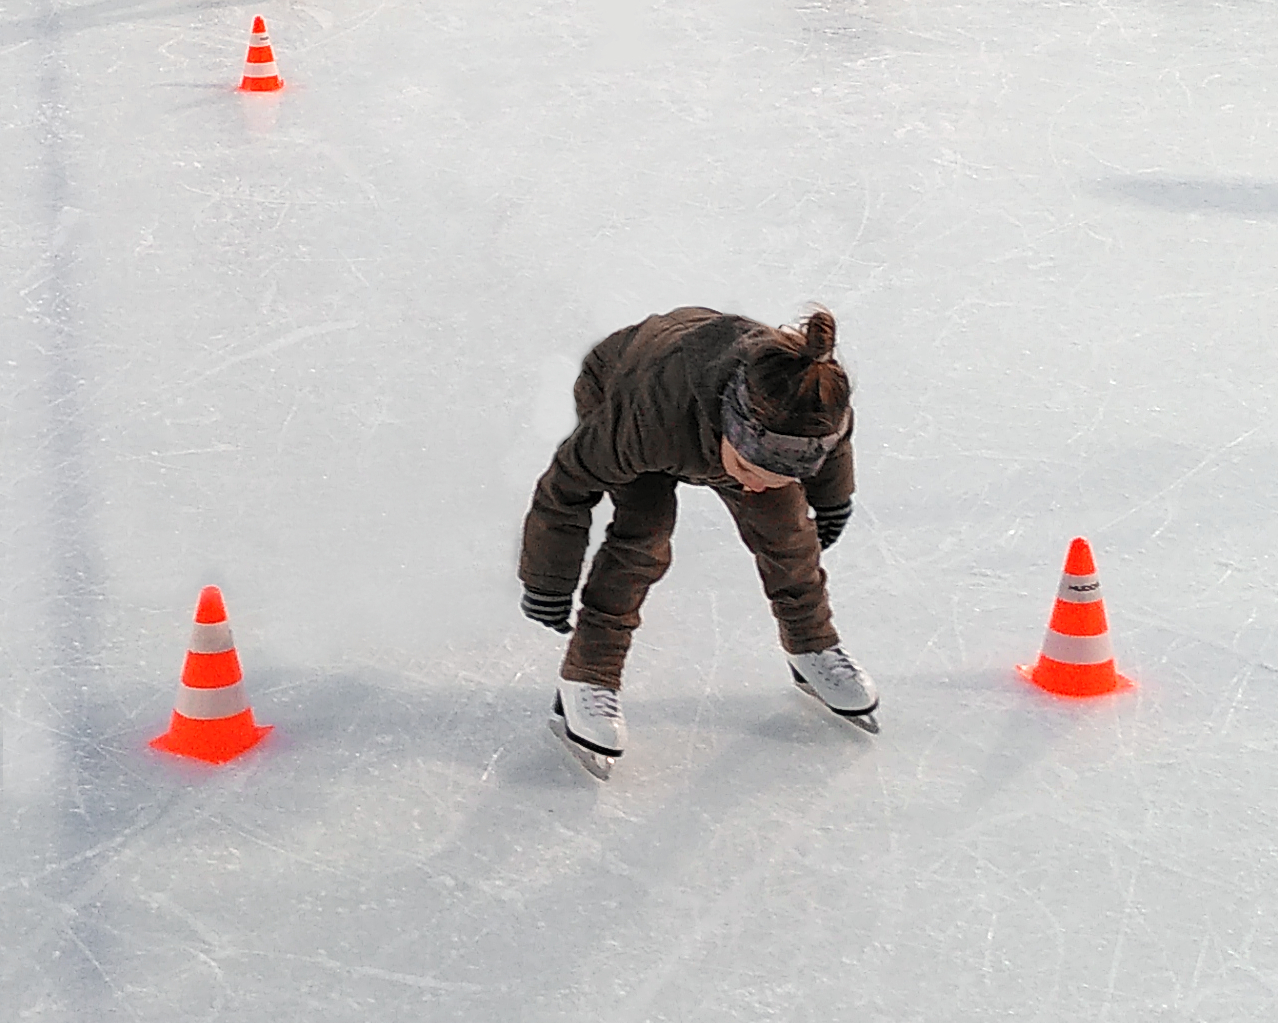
x,y
589,721
838,682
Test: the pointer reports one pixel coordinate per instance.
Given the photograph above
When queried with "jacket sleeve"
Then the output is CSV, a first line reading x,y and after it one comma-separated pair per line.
x,y
589,463
836,482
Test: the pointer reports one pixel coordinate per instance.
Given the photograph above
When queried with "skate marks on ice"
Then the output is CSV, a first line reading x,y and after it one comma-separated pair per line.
x,y
1022,844
76,922
524,864
411,831
207,881
60,836
715,840
293,337
729,908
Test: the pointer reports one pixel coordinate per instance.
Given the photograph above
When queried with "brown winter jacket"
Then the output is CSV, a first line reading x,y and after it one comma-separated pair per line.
x,y
647,401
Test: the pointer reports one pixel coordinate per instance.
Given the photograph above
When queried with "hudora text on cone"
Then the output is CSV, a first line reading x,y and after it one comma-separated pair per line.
x,y
212,720
1077,658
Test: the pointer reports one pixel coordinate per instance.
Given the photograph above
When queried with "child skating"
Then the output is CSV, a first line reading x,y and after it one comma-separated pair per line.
x,y
760,414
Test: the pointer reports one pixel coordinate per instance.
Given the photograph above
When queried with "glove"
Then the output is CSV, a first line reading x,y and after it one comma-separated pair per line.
x,y
830,522
549,609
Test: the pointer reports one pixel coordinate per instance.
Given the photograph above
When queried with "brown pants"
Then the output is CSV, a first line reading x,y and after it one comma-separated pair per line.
x,y
636,553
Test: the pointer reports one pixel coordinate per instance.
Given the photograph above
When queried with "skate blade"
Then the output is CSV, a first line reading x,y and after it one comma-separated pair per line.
x,y
866,721
596,763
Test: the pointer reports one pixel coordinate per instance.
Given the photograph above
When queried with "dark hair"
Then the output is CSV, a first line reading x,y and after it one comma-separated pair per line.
x,y
794,382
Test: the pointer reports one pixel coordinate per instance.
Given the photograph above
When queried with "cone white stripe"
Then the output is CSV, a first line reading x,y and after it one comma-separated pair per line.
x,y
267,70
211,704
1079,589
1077,649
259,39
211,638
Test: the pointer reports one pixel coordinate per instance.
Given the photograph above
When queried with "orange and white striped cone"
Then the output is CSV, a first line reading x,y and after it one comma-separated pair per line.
x,y
212,719
260,72
1077,658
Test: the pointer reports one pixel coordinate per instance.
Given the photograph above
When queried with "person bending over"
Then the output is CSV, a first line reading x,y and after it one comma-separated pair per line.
x,y
763,416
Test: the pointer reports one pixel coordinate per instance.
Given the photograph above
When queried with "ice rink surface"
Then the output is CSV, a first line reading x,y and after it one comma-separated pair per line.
x,y
316,346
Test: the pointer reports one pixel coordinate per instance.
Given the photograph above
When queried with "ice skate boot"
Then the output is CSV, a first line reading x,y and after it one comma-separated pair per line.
x,y
588,720
838,682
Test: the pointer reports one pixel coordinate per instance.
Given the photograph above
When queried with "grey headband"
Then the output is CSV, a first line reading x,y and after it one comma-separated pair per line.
x,y
781,453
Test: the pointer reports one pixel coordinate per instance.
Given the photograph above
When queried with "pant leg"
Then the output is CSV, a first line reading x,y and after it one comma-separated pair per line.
x,y
635,553
776,528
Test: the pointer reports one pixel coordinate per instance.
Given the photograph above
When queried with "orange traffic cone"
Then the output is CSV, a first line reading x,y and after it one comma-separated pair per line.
x,y
1077,658
260,72
212,719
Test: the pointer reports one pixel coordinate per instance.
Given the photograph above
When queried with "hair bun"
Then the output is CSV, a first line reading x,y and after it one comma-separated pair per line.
x,y
794,382
819,331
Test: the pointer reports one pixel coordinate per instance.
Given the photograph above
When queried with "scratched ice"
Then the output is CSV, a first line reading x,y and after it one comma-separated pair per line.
x,y
315,347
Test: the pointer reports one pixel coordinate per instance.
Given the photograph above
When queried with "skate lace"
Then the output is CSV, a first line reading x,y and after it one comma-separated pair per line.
x,y
604,702
843,670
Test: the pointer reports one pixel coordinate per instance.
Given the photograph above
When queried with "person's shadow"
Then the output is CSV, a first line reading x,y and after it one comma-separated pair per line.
x,y
1249,198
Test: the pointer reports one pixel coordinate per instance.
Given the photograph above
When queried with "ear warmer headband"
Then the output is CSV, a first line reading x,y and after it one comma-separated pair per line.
x,y
782,453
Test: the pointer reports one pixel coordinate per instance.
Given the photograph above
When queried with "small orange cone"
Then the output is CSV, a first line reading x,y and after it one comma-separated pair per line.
x,y
260,72
212,719
1077,658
